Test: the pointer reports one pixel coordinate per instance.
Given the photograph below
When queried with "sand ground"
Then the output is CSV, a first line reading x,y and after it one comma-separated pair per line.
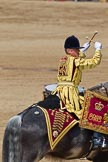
x,y
32,35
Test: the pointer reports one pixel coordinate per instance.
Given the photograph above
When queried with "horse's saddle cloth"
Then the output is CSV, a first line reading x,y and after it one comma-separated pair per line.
x,y
58,124
95,113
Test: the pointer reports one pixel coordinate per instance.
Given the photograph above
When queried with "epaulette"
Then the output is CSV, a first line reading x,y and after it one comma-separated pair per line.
x,y
63,59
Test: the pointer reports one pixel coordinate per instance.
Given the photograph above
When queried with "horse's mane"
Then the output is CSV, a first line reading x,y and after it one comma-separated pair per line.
x,y
52,102
101,88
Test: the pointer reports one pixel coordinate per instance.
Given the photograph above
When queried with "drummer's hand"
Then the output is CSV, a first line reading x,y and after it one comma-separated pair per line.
x,y
98,46
85,47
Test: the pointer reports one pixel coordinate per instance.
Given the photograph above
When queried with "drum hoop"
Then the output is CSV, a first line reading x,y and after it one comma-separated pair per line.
x,y
81,89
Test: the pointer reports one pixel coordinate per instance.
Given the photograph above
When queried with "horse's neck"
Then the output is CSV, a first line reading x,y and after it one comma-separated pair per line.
x,y
101,88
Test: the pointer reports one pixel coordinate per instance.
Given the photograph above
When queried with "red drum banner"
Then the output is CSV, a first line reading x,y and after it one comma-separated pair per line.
x,y
95,113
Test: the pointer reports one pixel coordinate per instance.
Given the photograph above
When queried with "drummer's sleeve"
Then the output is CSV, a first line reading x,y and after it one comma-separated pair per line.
x,y
84,63
82,55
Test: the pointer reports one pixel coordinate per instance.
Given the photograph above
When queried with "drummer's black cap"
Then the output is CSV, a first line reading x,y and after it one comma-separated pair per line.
x,y
72,42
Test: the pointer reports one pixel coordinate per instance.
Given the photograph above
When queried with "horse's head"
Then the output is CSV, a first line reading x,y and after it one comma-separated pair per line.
x,y
101,88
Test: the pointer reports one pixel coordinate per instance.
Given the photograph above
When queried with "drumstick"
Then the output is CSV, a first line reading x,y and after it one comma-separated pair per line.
x,y
96,32
88,39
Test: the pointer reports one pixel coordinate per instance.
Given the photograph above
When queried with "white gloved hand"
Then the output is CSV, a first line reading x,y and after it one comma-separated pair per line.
x,y
98,46
86,46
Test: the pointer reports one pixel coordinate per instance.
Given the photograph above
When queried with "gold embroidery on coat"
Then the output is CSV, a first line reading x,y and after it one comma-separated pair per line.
x,y
62,70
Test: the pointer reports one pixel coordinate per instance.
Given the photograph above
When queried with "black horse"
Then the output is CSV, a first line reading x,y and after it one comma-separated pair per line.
x,y
26,136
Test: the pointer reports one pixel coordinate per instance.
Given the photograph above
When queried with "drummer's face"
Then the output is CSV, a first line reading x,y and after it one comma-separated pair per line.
x,y
73,52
